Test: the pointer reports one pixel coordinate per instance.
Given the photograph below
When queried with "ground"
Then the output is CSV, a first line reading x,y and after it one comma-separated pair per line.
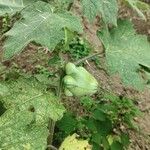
x,y
34,55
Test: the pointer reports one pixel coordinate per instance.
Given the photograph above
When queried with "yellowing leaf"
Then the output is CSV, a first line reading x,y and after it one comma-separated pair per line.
x,y
72,143
29,107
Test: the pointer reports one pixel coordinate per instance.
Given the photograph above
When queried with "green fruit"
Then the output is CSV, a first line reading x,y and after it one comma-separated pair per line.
x,y
78,81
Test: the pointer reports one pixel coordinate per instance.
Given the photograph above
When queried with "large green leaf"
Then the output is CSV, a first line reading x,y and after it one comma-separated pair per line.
x,y
12,6
106,8
29,107
39,24
67,124
125,50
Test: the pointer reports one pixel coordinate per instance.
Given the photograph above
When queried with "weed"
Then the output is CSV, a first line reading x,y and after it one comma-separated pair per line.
x,y
6,23
78,48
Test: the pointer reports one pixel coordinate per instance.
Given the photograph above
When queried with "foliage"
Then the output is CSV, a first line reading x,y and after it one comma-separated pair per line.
x,y
125,52
5,24
28,110
26,103
44,76
137,5
107,9
62,5
78,48
37,19
7,6
48,18
72,143
104,125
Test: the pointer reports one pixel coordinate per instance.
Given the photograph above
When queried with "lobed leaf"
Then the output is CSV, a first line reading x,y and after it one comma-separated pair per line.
x,y
28,109
39,24
12,6
125,51
106,8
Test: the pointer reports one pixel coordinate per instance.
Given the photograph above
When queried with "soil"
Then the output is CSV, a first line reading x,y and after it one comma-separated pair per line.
x,y
33,56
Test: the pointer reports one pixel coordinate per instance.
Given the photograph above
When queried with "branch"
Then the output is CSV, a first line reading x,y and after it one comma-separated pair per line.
x,y
88,57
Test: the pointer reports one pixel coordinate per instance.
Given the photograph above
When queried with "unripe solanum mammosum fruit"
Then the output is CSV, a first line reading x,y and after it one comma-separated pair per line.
x,y
78,81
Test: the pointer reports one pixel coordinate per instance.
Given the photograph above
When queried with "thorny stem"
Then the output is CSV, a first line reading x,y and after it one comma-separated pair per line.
x,y
51,127
88,57
60,83
51,122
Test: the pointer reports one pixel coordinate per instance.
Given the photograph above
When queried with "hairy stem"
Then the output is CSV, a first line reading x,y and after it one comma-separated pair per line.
x,y
88,58
51,122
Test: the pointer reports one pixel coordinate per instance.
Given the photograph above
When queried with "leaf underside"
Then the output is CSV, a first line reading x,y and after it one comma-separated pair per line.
x,y
106,8
125,52
28,110
41,25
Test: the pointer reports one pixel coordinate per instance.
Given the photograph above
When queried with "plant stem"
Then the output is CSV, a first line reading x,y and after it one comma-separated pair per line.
x,y
51,127
52,147
88,57
51,122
